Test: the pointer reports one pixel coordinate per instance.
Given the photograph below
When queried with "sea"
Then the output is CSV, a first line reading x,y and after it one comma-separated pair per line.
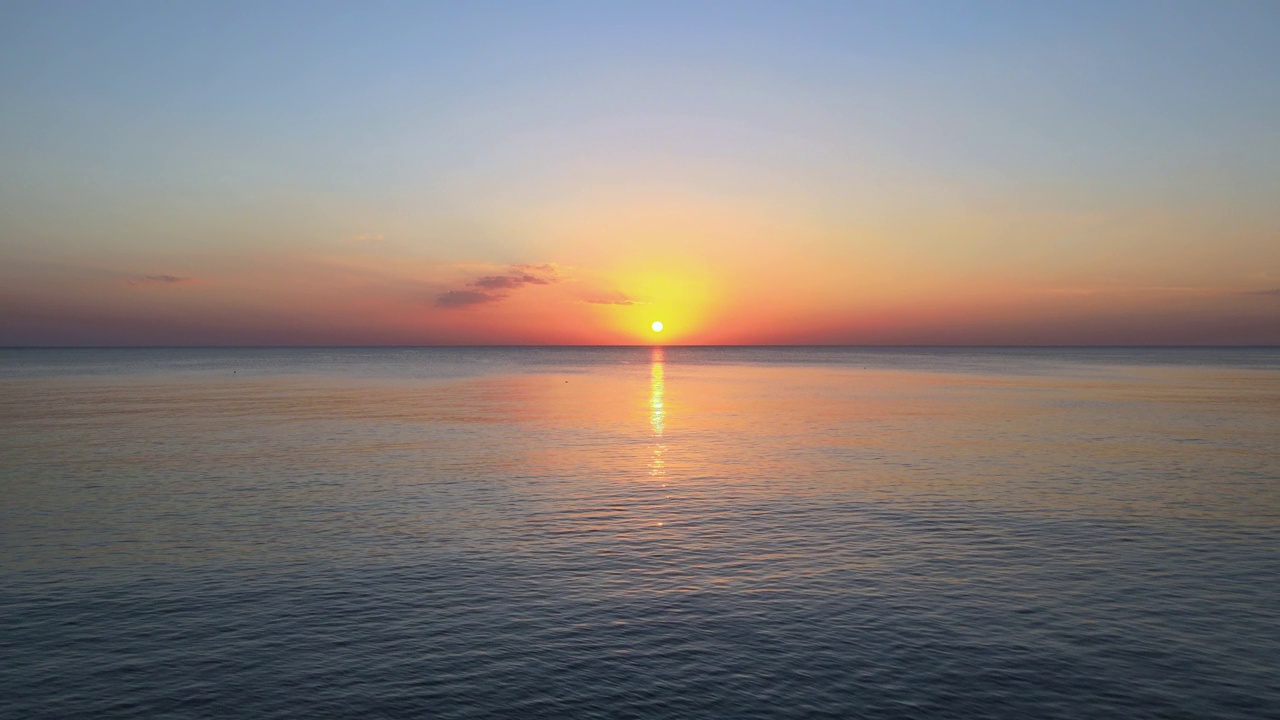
x,y
640,532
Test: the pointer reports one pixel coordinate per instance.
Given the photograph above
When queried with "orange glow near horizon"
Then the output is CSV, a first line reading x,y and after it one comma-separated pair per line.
x,y
673,304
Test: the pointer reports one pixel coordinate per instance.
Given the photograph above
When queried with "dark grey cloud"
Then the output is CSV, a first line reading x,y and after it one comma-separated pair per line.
x,y
493,288
1273,293
158,280
508,282
465,298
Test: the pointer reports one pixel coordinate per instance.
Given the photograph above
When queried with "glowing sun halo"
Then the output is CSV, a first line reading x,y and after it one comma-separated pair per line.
x,y
657,326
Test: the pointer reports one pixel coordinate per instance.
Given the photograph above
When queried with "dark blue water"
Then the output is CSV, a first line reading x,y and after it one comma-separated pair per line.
x,y
623,532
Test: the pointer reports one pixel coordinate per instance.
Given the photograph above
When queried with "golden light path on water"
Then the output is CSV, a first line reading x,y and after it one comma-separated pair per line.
x,y
657,412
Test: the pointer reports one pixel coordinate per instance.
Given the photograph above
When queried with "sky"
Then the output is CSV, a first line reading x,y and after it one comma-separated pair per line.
x,y
867,173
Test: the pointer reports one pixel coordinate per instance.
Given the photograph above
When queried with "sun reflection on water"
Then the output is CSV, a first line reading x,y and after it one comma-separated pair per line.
x,y
657,412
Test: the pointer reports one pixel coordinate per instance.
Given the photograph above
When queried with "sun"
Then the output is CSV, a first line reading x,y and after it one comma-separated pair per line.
x,y
657,326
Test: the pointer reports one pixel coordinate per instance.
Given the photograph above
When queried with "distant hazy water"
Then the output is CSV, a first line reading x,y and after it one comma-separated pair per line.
x,y
448,533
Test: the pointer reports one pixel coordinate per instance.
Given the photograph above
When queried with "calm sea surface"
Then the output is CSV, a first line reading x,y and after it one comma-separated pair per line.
x,y
639,533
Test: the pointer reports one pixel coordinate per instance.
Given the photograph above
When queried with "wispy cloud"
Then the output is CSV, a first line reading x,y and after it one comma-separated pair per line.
x,y
610,298
545,268
1274,292
465,298
494,288
509,282
1169,290
159,280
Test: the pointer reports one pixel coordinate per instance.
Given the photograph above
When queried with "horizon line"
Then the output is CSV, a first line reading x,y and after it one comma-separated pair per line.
x,y
650,345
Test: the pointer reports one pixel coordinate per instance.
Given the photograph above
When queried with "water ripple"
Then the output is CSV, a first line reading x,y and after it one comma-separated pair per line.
x,y
713,538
